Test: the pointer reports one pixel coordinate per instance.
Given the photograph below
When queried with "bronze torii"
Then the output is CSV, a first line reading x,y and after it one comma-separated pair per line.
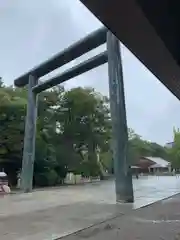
x,y
124,189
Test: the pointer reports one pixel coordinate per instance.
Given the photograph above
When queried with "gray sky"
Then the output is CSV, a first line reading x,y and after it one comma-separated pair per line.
x,y
32,31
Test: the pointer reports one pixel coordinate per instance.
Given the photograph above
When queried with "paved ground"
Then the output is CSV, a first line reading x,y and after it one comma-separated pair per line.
x,y
57,212
159,221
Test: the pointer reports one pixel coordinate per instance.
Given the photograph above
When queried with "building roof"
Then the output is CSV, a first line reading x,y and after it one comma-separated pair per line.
x,y
151,33
159,162
169,144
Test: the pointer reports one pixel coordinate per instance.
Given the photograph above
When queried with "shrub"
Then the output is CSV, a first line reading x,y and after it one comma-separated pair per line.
x,y
48,178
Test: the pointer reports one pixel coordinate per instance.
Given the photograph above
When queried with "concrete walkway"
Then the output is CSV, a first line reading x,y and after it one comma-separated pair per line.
x,y
159,221
58,212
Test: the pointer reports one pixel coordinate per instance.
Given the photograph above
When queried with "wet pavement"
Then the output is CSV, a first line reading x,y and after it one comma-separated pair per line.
x,y
151,189
57,212
159,221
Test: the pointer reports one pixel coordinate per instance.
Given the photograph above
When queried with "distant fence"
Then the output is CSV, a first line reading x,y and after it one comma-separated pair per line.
x,y
71,178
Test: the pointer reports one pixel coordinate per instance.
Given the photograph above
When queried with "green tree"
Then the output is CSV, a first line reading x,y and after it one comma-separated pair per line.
x,y
142,148
85,124
72,126
12,114
174,152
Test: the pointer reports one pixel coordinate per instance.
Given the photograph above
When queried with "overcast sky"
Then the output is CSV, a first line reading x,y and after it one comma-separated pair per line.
x,y
32,31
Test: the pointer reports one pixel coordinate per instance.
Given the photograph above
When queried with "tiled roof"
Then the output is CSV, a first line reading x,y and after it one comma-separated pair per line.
x,y
159,162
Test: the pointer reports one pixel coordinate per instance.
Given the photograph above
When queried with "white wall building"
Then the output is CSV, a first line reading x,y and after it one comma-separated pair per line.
x,y
169,144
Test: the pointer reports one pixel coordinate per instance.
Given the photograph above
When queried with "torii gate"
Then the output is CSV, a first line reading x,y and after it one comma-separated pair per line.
x,y
123,177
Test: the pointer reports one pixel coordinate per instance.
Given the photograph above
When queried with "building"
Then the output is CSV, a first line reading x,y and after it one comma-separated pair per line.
x,y
153,164
169,144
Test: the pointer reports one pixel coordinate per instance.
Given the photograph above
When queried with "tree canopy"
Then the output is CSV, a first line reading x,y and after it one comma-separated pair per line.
x,y
174,151
73,129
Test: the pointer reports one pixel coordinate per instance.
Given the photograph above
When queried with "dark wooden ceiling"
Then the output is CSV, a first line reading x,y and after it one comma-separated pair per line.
x,y
150,29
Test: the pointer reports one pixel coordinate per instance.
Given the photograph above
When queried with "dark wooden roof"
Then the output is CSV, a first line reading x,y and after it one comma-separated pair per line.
x,y
150,29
